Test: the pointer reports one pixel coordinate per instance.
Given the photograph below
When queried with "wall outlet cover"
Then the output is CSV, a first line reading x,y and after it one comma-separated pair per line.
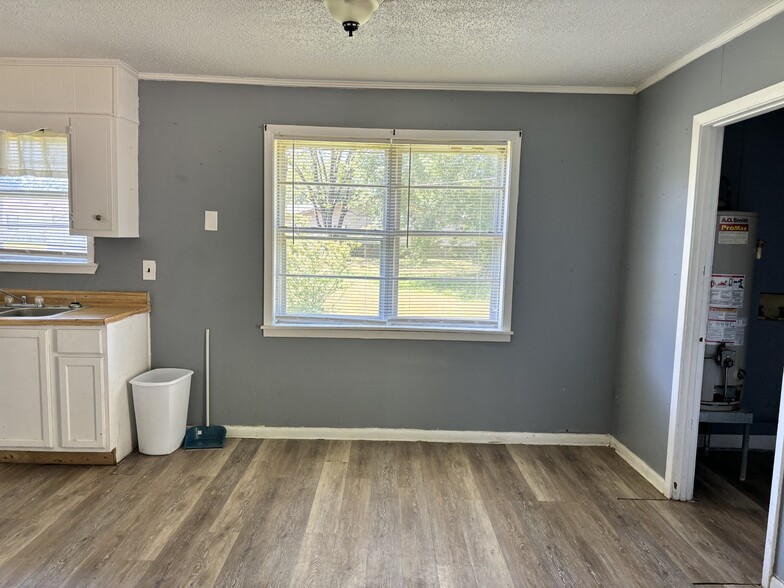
x,y
148,269
210,220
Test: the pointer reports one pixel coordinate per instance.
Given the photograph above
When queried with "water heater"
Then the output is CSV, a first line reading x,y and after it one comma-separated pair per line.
x,y
729,309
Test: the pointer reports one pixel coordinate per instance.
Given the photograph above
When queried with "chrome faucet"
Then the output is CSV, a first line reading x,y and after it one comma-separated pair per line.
x,y
22,299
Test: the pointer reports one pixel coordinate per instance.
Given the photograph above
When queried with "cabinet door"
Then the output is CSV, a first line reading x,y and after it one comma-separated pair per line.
x,y
82,404
92,175
25,398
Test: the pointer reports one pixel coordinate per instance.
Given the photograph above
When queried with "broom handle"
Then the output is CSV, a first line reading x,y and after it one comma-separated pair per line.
x,y
207,372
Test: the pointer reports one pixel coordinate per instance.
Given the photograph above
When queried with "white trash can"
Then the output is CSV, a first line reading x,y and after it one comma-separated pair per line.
x,y
160,401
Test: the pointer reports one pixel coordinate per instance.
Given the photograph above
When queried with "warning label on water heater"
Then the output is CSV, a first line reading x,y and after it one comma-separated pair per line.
x,y
733,230
722,325
726,298
726,290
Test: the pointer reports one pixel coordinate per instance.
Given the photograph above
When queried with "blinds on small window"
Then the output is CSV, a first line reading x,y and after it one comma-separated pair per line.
x,y
34,210
390,233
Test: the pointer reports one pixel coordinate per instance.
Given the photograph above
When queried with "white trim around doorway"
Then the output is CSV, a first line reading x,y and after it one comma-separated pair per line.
x,y
702,201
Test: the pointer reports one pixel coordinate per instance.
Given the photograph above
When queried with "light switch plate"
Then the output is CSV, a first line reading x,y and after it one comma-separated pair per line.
x,y
148,269
210,220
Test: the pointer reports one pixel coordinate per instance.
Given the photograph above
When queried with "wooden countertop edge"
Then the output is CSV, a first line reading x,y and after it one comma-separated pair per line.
x,y
72,319
125,314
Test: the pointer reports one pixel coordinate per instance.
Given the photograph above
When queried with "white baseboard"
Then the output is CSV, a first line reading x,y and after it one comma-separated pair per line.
x,y
642,468
758,442
437,436
440,436
775,583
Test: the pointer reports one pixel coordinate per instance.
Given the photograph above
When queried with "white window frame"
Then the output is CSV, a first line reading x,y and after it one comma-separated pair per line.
x,y
89,267
270,329
21,123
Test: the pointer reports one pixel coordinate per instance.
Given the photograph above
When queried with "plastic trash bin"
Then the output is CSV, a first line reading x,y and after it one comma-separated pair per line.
x,y
160,402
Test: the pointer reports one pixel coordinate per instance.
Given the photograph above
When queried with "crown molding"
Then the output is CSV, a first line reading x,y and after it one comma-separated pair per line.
x,y
369,85
724,38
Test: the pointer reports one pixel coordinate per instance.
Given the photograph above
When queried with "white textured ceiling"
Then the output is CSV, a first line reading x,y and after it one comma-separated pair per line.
x,y
536,42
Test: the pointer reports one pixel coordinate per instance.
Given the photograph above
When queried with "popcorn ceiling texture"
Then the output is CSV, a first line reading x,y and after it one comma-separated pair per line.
x,y
543,42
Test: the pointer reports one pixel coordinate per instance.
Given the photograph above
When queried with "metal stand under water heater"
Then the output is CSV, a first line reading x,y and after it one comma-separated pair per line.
x,y
729,307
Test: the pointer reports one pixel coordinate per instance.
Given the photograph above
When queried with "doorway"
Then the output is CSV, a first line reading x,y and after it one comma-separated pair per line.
x,y
745,333
702,203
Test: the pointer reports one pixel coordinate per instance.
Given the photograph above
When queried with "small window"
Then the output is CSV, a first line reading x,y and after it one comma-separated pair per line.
x,y
34,206
389,234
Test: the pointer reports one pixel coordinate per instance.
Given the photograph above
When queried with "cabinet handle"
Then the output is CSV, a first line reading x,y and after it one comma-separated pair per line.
x,y
98,217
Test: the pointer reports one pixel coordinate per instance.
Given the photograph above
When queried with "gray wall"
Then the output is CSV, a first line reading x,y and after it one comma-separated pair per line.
x,y
201,148
656,220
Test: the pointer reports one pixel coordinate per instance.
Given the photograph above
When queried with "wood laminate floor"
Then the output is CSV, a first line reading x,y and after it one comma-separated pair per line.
x,y
759,476
340,513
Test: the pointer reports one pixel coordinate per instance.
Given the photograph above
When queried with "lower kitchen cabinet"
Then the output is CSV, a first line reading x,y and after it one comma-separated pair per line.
x,y
82,401
25,389
66,390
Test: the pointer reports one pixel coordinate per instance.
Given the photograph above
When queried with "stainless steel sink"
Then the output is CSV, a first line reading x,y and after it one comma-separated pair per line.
x,y
33,312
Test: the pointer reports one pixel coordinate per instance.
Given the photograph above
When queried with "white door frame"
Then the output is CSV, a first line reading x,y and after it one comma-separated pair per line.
x,y
701,205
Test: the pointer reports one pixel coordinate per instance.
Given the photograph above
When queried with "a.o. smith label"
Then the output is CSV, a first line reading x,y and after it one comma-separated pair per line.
x,y
733,230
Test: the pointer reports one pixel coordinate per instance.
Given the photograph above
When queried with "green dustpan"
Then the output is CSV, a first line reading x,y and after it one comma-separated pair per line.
x,y
206,437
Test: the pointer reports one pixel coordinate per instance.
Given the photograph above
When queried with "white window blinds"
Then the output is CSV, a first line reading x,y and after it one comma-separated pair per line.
x,y
390,233
34,211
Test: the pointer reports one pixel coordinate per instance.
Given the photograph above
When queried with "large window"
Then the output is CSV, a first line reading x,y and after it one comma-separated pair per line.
x,y
389,233
34,209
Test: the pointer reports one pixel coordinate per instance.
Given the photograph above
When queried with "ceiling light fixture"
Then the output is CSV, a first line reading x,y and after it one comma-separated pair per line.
x,y
352,14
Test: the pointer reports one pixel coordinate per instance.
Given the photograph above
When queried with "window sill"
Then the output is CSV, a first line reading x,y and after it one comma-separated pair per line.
x,y
400,334
50,268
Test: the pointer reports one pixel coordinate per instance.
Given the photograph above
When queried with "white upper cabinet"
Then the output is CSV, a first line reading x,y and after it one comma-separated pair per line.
x,y
104,177
69,86
97,101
